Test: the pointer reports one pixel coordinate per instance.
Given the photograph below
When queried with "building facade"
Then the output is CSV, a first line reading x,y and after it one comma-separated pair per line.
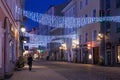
x,y
112,32
99,42
53,45
89,46
70,11
9,34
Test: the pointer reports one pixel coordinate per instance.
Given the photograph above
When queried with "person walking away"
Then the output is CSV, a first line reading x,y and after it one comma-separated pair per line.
x,y
30,59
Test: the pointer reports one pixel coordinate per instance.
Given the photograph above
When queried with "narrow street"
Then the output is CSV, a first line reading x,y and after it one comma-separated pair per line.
x,y
48,70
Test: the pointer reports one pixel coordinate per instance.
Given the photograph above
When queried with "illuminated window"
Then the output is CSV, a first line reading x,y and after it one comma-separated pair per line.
x,y
118,55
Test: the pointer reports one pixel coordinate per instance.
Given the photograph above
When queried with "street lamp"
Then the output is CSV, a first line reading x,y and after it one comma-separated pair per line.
x,y
99,36
90,56
22,41
23,29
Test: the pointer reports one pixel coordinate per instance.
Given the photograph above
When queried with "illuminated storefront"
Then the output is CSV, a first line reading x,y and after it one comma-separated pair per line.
x,y
118,54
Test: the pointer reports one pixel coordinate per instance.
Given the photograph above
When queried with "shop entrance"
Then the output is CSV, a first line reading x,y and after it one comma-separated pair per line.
x,y
109,58
96,55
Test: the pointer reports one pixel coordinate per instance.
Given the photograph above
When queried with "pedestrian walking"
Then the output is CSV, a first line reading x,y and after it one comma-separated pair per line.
x,y
30,59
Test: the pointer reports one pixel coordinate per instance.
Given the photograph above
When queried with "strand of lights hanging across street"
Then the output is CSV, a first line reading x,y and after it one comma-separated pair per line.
x,y
47,39
66,22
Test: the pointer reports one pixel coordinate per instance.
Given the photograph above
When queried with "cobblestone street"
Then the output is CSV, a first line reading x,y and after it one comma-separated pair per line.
x,y
48,70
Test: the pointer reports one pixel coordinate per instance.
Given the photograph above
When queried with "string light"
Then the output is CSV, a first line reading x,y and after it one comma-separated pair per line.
x,y
61,21
38,39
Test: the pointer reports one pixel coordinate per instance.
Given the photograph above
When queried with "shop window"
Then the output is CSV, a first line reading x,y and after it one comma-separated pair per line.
x,y
11,43
118,54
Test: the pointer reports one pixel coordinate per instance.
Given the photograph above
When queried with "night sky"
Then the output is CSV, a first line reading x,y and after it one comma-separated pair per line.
x,y
38,6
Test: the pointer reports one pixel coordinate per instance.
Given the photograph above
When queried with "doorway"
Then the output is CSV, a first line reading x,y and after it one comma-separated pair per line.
x,y
95,55
109,56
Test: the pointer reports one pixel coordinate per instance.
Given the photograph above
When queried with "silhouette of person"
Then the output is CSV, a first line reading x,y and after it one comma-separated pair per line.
x,y
30,59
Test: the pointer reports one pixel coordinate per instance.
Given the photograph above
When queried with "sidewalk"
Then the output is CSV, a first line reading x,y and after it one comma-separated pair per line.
x,y
38,73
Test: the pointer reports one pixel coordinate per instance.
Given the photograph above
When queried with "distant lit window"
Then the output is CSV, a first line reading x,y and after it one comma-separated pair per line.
x,y
86,2
117,3
80,4
117,27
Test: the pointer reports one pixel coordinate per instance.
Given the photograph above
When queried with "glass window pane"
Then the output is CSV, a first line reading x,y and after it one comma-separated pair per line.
x,y
118,54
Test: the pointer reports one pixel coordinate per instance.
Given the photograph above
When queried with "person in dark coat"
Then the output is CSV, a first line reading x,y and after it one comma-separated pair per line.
x,y
30,59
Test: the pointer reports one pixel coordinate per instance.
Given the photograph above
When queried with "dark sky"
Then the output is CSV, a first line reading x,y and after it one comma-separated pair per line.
x,y
38,6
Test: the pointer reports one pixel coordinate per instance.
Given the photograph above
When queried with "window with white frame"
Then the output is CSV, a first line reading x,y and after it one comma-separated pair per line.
x,y
80,4
86,37
94,35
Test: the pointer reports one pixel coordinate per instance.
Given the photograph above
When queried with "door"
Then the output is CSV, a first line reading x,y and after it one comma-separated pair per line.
x,y
109,58
96,55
